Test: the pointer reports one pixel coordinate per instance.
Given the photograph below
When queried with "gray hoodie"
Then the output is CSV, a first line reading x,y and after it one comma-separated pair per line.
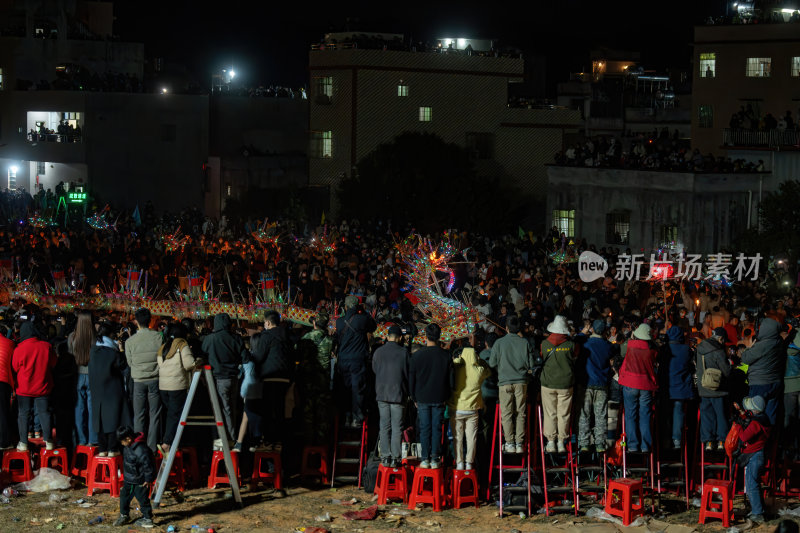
x,y
766,359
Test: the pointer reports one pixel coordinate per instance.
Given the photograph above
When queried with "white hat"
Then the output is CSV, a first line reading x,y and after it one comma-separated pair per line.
x,y
558,326
642,332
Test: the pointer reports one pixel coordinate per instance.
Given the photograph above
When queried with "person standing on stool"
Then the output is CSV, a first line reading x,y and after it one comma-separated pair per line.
x,y
33,361
557,379
141,351
6,388
754,435
106,364
681,376
390,364
637,376
225,352
713,422
353,331
512,356
430,381
465,405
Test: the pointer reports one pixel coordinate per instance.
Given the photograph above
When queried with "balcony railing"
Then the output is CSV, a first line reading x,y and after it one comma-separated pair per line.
x,y
759,138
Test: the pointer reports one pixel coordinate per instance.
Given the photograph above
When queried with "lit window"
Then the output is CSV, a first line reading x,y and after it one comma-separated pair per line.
x,y
323,89
796,67
564,221
424,114
708,65
705,117
759,67
669,234
40,168
618,227
402,90
322,144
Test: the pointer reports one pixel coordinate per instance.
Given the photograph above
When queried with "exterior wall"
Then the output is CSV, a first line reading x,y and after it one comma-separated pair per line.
x,y
707,208
127,158
466,94
730,88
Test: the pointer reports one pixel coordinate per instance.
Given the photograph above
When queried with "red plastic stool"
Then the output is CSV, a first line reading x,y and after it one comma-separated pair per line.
x,y
18,473
260,475
217,461
81,459
716,509
391,483
177,475
57,456
619,499
191,465
419,494
456,496
105,473
308,470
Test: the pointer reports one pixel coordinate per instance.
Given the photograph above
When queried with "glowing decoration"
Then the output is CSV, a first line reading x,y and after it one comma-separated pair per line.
x,y
661,271
99,222
175,241
40,221
559,257
423,260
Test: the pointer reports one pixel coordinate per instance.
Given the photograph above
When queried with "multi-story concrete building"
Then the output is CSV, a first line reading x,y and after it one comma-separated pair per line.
x,y
459,90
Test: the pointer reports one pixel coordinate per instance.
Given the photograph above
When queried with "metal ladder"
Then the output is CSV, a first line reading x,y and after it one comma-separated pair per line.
x,y
523,468
203,420
672,466
344,450
558,475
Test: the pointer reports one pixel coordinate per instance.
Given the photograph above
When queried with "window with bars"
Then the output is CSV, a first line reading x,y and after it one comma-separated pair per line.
x,y
564,221
402,89
669,234
424,114
40,168
322,144
759,67
708,65
705,117
796,67
618,227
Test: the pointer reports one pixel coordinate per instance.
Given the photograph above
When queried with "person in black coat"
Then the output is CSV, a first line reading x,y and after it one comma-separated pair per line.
x,y
106,364
269,351
139,471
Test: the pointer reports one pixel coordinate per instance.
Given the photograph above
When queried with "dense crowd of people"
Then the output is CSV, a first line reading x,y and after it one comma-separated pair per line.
x,y
584,350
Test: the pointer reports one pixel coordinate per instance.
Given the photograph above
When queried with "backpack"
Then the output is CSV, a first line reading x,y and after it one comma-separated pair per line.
x,y
369,474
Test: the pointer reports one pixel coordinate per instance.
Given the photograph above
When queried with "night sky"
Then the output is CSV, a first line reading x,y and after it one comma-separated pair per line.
x,y
268,42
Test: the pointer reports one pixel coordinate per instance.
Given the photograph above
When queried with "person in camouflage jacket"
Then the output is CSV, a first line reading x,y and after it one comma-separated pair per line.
x,y
315,349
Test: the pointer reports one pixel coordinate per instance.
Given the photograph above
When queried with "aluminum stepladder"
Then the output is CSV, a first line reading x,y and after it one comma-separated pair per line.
x,y
201,420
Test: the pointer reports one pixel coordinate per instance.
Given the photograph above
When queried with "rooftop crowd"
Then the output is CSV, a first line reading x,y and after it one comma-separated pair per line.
x,y
583,350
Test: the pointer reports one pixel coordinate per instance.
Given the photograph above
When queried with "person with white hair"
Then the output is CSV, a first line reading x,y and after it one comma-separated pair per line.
x,y
557,379
637,376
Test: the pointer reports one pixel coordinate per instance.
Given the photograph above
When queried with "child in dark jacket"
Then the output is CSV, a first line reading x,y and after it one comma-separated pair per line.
x,y
140,471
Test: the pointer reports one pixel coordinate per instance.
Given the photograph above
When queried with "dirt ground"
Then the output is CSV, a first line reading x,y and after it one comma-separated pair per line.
x,y
266,510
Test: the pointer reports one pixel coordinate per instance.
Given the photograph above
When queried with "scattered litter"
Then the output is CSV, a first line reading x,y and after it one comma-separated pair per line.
x,y
9,492
516,531
16,519
86,505
55,497
400,512
323,517
48,520
521,515
351,501
170,529
80,501
60,525
789,512
696,502
4,499
374,498
733,529
46,479
541,510
365,514
598,512
311,530
431,523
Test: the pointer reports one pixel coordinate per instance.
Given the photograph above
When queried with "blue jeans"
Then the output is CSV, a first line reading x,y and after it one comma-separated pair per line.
x,y
773,396
430,429
678,415
637,418
751,480
713,424
83,412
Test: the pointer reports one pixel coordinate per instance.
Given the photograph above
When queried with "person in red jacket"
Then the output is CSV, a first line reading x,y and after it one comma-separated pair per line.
x,y
33,363
637,376
6,387
753,437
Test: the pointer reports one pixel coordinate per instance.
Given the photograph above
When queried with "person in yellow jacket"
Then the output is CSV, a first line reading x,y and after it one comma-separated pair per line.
x,y
465,404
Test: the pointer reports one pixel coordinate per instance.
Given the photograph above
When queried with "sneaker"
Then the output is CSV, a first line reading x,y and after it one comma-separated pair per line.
x,y
435,465
22,447
49,446
721,446
30,435
37,434
459,466
584,449
599,448
633,449
645,449
113,454
237,447
709,447
509,447
551,447
561,447
102,454
468,466
217,444
676,444
425,464
144,522
519,448
756,518
386,462
122,520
